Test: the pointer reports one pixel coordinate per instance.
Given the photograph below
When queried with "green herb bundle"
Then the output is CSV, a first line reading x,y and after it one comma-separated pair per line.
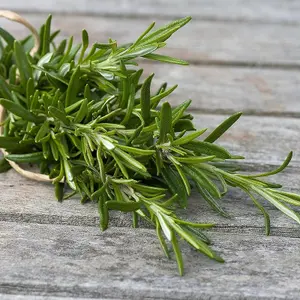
x,y
85,117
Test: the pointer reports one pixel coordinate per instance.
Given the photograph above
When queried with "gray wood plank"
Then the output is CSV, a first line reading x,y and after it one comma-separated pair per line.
x,y
221,90
24,297
199,41
68,261
30,202
259,139
287,11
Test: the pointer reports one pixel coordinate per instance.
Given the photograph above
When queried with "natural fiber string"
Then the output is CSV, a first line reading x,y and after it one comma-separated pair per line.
x,y
12,16
17,18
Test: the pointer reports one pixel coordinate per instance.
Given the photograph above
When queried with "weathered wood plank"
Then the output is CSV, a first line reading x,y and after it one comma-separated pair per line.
x,y
202,42
259,139
30,202
222,90
68,261
233,10
24,297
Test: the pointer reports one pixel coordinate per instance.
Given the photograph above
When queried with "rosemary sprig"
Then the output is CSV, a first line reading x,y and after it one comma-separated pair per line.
x,y
84,115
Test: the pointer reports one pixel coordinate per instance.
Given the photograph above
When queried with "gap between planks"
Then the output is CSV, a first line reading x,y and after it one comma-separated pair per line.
x,y
132,16
225,90
199,41
87,221
268,11
243,64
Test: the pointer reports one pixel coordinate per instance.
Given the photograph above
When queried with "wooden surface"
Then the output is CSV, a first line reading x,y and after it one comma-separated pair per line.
x,y
268,11
201,42
245,56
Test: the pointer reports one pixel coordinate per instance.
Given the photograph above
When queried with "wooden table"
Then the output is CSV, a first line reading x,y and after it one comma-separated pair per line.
x,y
245,55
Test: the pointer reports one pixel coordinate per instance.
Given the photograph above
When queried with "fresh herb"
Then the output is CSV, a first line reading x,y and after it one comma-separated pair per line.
x,y
86,118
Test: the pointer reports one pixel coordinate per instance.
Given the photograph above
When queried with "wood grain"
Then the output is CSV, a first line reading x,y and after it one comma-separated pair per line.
x,y
263,140
225,90
199,42
68,261
22,202
24,297
272,11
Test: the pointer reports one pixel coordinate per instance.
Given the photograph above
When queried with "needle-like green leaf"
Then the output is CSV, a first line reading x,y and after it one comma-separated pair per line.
x,y
145,99
165,122
73,87
26,158
46,37
5,91
9,39
22,63
123,206
178,255
82,112
20,111
166,59
281,168
188,138
222,128
85,44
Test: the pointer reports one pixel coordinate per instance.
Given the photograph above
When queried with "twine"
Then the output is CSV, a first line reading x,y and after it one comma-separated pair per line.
x,y
17,18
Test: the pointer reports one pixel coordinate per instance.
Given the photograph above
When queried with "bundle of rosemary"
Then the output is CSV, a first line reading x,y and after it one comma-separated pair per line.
x,y
85,117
